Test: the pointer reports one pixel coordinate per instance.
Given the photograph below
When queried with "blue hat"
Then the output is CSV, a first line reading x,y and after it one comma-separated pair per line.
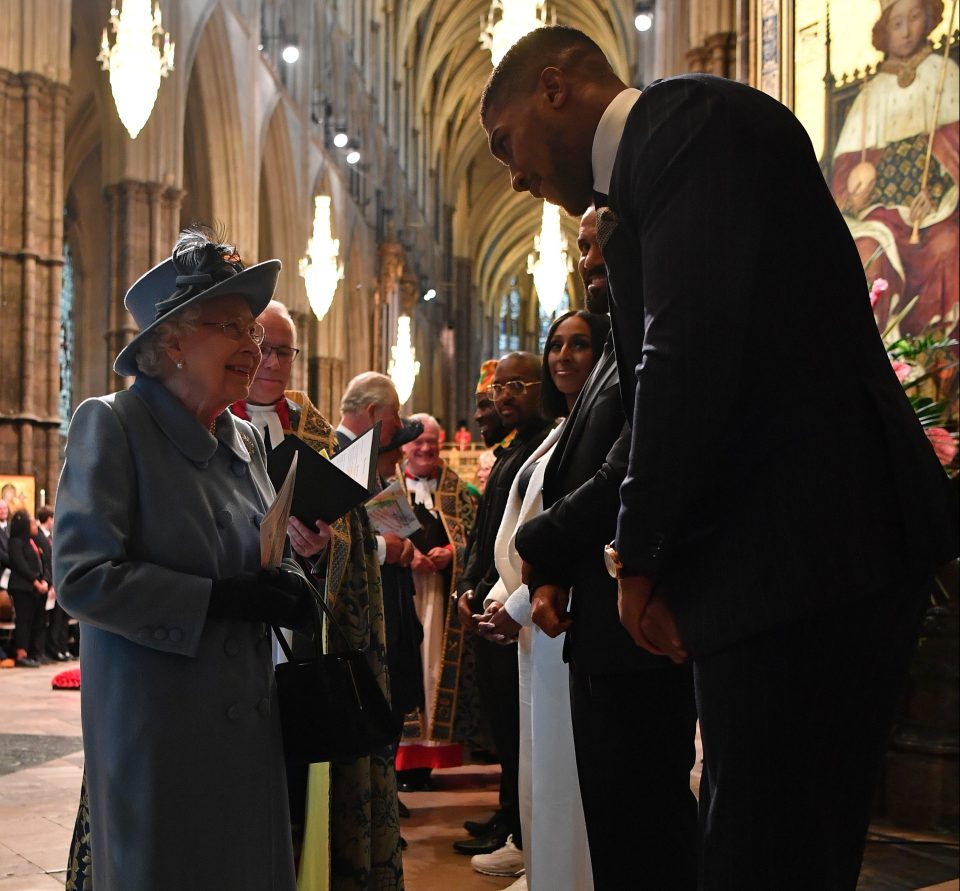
x,y
198,269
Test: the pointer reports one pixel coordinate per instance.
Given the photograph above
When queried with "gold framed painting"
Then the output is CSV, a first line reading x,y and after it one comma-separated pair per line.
x,y
19,492
869,77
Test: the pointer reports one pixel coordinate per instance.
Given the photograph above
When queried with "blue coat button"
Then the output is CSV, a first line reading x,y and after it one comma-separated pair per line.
x,y
224,518
176,635
160,633
235,711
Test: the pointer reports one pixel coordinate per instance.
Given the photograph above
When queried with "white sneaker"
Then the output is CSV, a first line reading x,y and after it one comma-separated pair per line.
x,y
519,885
505,861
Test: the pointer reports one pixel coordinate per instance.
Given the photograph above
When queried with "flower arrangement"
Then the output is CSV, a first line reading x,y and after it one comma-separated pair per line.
x,y
926,366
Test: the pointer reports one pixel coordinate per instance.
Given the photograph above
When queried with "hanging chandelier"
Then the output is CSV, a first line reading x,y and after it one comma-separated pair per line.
x,y
320,268
507,21
550,262
404,367
141,54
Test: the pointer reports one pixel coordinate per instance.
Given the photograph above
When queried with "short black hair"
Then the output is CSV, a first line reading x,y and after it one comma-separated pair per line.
x,y
44,513
552,401
558,46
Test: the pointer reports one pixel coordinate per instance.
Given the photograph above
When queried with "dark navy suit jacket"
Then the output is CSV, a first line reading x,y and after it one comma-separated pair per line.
x,y
776,466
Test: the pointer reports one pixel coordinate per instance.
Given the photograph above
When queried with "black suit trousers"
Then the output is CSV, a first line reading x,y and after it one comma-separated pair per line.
x,y
794,725
634,739
498,679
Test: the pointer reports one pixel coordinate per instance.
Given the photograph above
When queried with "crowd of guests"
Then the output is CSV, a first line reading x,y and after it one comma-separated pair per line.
x,y
41,632
603,585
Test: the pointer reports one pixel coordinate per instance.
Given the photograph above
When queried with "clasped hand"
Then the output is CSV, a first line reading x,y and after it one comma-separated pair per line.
x,y
648,618
497,624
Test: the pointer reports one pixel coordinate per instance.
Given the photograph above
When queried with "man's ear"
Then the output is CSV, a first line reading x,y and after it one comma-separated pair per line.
x,y
371,410
556,86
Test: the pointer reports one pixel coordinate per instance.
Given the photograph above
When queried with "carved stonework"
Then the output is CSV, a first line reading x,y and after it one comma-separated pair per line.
x,y
143,224
32,114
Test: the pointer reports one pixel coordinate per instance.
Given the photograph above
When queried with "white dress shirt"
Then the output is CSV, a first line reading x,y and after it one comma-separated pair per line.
x,y
606,141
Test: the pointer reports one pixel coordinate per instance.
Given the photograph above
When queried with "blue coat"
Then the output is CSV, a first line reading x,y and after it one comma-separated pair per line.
x,y
181,733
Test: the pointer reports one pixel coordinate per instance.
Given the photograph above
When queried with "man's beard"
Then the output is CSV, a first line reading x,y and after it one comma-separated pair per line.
x,y
597,301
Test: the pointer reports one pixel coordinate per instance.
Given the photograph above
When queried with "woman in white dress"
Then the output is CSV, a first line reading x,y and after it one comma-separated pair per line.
x,y
555,849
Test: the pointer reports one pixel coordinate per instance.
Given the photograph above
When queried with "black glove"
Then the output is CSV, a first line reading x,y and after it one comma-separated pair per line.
x,y
275,596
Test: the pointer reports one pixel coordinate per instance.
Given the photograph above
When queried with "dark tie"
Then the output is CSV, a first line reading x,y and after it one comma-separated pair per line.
x,y
600,200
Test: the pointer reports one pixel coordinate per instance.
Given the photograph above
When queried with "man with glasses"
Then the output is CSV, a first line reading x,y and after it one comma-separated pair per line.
x,y
342,559
515,391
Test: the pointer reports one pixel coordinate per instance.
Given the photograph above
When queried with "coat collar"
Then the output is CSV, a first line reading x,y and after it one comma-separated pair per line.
x,y
183,430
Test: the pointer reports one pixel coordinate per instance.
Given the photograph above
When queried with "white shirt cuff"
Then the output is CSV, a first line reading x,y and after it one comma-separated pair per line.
x,y
381,550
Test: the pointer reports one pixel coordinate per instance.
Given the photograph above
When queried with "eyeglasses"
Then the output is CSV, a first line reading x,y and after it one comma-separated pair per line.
x,y
512,388
283,353
235,329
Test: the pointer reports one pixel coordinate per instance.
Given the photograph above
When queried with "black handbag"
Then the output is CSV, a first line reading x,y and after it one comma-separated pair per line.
x,y
331,705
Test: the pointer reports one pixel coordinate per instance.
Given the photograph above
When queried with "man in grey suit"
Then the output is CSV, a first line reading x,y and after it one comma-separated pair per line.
x,y
782,513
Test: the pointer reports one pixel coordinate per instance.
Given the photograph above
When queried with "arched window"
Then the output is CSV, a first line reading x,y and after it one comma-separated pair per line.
x,y
510,319
66,340
547,320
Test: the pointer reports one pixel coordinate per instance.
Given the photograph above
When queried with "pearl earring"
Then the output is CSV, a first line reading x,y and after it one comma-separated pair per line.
x,y
180,364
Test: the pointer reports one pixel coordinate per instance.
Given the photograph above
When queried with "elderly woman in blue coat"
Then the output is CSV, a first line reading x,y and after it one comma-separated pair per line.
x,y
158,556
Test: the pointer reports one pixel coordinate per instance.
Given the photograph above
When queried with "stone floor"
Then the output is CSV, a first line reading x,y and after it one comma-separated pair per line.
x,y
41,762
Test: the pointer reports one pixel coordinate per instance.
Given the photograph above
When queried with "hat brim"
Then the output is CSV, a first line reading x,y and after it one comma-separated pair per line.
x,y
255,284
407,433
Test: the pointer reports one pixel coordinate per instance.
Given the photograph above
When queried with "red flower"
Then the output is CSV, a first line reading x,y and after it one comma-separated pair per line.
x,y
943,442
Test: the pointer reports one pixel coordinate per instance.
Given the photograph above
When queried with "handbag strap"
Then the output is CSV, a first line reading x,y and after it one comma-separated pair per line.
x,y
318,604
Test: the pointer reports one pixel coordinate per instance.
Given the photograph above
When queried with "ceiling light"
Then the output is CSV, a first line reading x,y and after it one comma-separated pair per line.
x,y
141,54
643,21
507,21
430,294
321,268
353,156
340,139
404,367
290,53
550,262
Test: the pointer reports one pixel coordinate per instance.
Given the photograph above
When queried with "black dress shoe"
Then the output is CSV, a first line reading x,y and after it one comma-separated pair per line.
x,y
62,657
414,786
486,844
402,809
477,829
27,662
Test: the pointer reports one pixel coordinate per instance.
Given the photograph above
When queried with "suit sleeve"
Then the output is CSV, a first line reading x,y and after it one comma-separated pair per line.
x,y
697,207
585,520
98,580
26,568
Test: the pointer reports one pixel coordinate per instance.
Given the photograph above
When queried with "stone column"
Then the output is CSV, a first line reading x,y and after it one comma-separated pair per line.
x,y
721,53
32,113
143,220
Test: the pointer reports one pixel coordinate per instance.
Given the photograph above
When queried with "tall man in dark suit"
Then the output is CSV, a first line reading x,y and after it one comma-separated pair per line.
x,y
630,761
782,513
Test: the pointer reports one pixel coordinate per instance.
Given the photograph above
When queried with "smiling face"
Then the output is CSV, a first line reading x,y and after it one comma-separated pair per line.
x,y
217,370
591,266
273,374
492,428
423,454
516,409
544,144
906,28
570,356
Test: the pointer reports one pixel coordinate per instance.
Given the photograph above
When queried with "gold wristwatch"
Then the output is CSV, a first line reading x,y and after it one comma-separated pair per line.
x,y
612,560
